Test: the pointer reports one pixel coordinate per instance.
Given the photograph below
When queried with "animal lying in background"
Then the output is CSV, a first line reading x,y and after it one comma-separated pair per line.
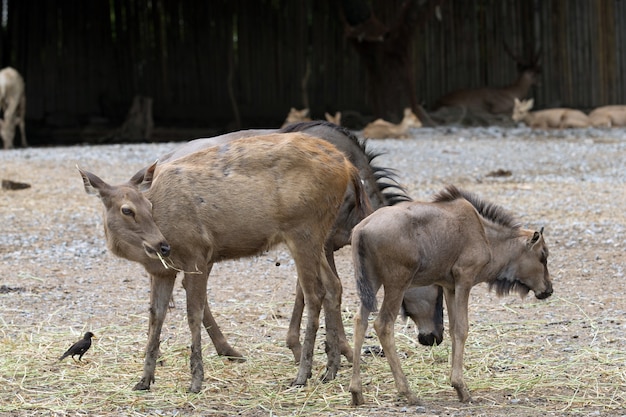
x,y
295,116
182,216
336,119
608,116
381,129
422,305
556,118
484,101
13,106
456,241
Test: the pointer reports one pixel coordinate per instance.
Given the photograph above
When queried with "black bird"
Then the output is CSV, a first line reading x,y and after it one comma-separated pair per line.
x,y
79,348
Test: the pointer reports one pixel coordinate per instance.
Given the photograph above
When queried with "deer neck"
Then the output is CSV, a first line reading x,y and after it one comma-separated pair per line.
x,y
521,86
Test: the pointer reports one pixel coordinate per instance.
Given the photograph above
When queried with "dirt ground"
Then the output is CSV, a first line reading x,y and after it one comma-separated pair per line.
x,y
562,356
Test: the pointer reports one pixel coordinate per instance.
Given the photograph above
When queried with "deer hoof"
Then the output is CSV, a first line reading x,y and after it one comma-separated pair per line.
x,y
357,398
142,385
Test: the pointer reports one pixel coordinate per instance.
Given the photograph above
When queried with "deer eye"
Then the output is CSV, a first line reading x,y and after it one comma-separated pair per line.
x,y
127,211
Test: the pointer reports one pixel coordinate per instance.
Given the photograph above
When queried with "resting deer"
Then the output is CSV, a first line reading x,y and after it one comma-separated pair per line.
x,y
296,116
382,129
556,118
495,100
608,116
13,106
336,119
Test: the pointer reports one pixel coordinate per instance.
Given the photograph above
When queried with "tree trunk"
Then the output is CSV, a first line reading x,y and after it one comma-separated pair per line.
x,y
139,123
385,54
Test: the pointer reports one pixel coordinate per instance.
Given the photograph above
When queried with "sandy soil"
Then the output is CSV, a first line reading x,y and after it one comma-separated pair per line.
x,y
57,278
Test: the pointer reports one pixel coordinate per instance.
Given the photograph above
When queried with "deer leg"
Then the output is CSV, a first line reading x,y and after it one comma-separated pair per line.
x,y
457,302
161,291
222,347
360,327
384,329
344,345
335,333
313,289
195,288
293,334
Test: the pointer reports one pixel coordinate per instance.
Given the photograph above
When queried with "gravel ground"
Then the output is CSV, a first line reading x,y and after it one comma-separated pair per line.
x,y
55,272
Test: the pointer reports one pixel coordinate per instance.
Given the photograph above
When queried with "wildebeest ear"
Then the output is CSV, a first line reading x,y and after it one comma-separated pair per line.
x,y
92,183
143,178
536,237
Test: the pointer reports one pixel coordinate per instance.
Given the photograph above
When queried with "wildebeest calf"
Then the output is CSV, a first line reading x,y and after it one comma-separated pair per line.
x,y
226,202
457,241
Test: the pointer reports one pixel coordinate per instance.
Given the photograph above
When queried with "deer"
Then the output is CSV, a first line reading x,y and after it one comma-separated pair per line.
x,y
495,100
183,216
13,106
422,305
608,116
554,118
295,116
336,119
382,129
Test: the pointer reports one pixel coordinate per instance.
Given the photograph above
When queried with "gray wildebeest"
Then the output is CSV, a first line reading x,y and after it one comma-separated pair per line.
x,y
226,202
456,241
423,304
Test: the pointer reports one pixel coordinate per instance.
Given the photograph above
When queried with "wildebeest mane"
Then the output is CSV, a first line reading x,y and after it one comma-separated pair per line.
x,y
386,181
489,211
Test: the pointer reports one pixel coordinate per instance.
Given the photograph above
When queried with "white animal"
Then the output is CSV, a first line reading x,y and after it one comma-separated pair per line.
x,y
13,106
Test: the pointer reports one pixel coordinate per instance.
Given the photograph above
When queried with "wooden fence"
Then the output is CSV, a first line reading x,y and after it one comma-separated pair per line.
x,y
202,59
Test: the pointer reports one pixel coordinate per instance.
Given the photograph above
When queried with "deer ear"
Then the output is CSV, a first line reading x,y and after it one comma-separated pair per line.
x,y
143,178
531,103
92,183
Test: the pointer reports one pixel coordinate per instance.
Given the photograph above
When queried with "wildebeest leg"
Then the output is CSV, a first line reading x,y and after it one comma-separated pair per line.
x,y
195,288
384,325
335,333
308,266
222,347
457,303
161,287
360,327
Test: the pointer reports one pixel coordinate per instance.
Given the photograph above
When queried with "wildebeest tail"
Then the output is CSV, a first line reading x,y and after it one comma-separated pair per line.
x,y
363,279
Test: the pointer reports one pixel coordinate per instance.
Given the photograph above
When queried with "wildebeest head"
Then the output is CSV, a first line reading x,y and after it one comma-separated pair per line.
x,y
129,227
529,270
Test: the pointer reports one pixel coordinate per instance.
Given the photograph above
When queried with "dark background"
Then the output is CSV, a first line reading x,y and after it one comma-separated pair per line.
x,y
218,65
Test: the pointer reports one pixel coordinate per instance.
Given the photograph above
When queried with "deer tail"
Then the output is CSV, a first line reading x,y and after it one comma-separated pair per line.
x,y
361,271
362,202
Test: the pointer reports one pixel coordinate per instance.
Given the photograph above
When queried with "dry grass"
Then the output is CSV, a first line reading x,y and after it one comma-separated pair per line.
x,y
508,364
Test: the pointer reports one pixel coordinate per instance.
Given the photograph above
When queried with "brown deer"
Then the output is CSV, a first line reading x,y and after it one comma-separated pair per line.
x,y
555,118
295,116
456,241
608,116
183,215
382,129
495,100
336,119
13,106
422,305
